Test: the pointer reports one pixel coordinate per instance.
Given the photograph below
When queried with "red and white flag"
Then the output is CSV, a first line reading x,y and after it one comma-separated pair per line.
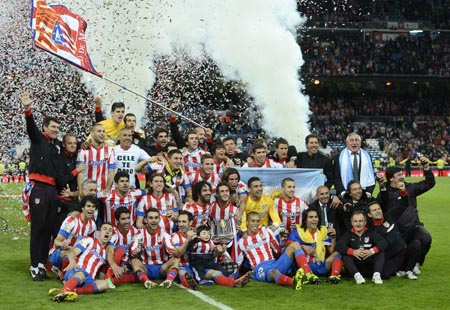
x,y
60,32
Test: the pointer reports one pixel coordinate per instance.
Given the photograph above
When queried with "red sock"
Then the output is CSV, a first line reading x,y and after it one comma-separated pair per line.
x,y
172,274
336,266
300,259
142,276
65,262
109,273
87,289
222,280
184,281
126,278
71,284
118,254
283,280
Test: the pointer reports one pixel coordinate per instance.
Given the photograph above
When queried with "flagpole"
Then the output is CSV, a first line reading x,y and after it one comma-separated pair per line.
x,y
152,101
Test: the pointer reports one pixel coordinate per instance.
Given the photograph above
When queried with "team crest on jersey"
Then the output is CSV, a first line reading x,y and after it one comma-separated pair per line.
x,y
264,207
366,239
37,200
386,224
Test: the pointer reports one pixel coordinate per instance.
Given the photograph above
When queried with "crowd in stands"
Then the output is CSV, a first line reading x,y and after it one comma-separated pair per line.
x,y
350,13
351,56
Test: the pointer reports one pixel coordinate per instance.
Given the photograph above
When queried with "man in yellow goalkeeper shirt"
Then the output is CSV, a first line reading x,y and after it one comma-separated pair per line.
x,y
262,204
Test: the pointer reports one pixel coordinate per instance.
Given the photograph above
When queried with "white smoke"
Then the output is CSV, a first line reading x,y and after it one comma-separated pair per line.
x,y
251,40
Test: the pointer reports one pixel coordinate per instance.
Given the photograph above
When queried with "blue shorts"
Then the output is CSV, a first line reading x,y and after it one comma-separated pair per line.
x,y
262,270
88,279
154,272
187,268
55,258
319,269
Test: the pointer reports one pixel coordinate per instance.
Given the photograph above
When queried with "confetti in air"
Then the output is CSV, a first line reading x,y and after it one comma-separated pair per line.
x,y
252,41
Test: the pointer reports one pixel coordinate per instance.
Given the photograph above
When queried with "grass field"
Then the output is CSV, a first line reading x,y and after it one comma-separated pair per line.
x,y
430,291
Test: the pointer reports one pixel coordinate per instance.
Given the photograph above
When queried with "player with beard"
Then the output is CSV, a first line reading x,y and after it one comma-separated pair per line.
x,y
124,245
99,159
201,208
161,138
154,263
121,196
164,201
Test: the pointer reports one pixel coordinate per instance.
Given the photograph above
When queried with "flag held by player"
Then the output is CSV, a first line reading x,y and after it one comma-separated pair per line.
x,y
60,32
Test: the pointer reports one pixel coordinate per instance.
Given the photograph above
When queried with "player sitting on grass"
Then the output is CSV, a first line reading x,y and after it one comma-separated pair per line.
x,y
261,247
203,253
315,242
85,260
73,229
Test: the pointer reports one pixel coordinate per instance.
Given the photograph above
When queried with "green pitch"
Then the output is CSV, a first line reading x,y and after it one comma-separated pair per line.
x,y
430,291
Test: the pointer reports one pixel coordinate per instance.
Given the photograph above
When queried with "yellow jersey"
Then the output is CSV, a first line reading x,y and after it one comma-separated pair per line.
x,y
265,207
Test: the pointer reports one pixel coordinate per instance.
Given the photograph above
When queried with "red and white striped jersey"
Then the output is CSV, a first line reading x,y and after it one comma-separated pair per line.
x,y
228,212
201,213
98,161
213,180
127,159
203,247
259,247
113,201
241,189
191,160
220,167
176,240
290,211
268,163
154,247
92,256
73,229
164,203
129,240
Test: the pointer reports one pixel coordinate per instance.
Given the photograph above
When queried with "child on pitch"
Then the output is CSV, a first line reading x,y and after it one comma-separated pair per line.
x,y
203,253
